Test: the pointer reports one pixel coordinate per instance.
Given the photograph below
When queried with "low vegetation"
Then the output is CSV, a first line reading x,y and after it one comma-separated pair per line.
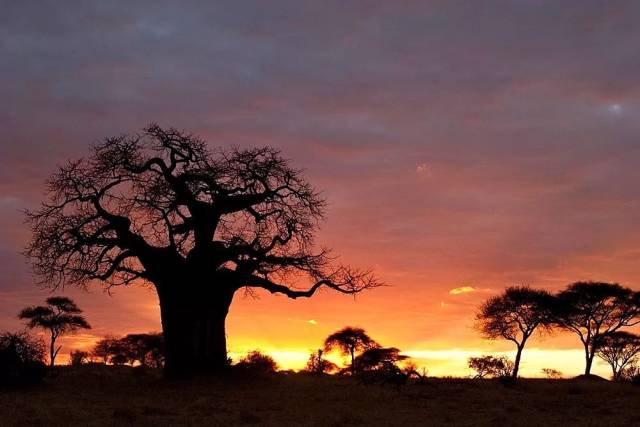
x,y
99,395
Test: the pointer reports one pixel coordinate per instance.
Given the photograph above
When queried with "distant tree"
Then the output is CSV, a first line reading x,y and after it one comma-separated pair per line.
x,y
102,349
60,316
146,349
257,363
631,372
595,309
21,358
515,315
120,352
379,358
349,341
318,365
552,374
619,349
78,357
490,366
198,224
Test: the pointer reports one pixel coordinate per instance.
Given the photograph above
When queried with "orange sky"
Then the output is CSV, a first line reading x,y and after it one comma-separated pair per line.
x,y
458,145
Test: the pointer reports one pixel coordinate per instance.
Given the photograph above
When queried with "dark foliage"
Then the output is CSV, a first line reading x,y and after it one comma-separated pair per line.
x,y
515,315
619,349
21,359
257,364
60,316
318,365
593,310
145,350
490,366
349,341
78,357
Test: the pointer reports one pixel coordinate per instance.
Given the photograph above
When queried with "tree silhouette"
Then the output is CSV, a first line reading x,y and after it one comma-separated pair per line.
x,y
318,365
594,309
21,358
619,349
104,349
78,357
515,315
490,366
257,363
60,316
349,341
197,224
379,358
146,349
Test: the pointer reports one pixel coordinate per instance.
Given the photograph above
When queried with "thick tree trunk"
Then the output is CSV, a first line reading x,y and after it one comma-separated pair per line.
x,y
193,324
516,363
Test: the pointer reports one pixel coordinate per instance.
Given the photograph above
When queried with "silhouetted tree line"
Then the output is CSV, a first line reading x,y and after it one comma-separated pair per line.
x,y
594,311
146,350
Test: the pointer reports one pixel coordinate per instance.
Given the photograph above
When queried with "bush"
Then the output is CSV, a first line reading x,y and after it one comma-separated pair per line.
x,y
78,357
552,374
258,363
490,366
21,359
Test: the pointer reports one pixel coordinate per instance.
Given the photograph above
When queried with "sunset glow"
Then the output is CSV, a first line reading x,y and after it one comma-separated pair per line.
x,y
455,161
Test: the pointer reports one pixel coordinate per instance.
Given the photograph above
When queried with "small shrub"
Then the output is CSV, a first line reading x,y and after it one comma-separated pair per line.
x,y
78,357
552,374
490,366
258,363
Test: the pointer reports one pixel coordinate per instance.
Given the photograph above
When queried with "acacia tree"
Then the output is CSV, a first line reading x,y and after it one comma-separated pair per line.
x,y
515,315
197,224
60,316
349,340
595,309
619,349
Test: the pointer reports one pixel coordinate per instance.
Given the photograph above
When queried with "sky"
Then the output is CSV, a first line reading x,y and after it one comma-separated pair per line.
x,y
462,147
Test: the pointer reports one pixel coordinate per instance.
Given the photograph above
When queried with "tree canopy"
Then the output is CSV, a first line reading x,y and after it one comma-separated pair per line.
x,y
515,315
594,309
60,316
349,341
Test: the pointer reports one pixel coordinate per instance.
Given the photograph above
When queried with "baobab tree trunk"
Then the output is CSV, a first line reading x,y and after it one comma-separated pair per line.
x,y
193,324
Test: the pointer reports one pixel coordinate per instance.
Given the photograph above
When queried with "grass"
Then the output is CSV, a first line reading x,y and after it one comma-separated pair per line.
x,y
115,396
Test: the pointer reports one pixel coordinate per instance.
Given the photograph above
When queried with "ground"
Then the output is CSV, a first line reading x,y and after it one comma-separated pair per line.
x,y
101,395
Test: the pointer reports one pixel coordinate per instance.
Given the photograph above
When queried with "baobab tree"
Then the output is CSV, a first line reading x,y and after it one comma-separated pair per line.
x,y
515,315
196,224
60,316
349,341
619,349
595,309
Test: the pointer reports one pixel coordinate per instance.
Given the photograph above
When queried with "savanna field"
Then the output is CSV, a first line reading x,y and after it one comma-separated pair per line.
x,y
122,396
